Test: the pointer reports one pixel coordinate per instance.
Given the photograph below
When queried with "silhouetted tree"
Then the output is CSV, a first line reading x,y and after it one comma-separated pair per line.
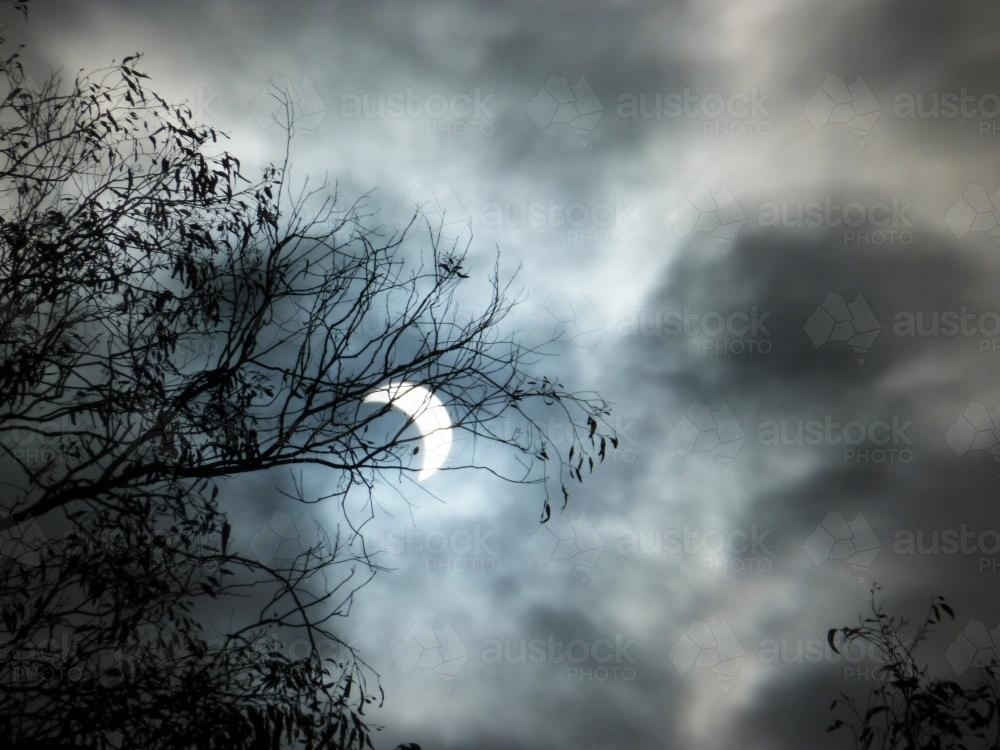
x,y
167,323
911,709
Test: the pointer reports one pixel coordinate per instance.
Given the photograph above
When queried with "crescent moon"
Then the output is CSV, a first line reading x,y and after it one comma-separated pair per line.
x,y
428,414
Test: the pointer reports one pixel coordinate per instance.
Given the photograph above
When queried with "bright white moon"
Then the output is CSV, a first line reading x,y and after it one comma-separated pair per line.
x,y
428,414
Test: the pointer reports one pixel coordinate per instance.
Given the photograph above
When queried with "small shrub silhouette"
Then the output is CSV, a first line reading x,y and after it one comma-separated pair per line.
x,y
911,709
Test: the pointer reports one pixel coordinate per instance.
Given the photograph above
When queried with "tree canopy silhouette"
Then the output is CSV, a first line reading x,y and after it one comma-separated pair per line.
x,y
167,323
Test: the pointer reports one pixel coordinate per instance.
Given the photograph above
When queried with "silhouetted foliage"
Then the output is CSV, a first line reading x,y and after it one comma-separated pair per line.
x,y
911,709
167,323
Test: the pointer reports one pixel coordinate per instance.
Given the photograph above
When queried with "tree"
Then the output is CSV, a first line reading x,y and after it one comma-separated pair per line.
x,y
166,324
910,709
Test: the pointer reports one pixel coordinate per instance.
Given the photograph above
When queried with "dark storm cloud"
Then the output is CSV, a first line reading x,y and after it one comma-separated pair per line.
x,y
788,274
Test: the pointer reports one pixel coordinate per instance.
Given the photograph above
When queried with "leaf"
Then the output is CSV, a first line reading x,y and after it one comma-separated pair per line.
x,y
873,711
830,636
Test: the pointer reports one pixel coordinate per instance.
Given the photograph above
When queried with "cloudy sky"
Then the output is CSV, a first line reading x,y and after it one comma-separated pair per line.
x,y
766,228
